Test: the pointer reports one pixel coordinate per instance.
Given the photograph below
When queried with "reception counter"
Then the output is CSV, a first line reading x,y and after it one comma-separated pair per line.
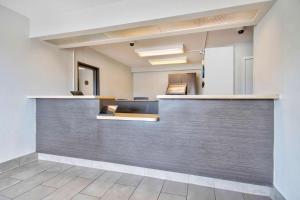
x,y
227,137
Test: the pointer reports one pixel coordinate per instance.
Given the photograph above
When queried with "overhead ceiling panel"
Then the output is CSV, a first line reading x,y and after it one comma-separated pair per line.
x,y
162,29
67,18
134,32
80,39
193,44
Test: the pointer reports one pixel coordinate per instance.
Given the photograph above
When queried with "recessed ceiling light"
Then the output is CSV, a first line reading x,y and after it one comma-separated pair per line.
x,y
161,50
168,61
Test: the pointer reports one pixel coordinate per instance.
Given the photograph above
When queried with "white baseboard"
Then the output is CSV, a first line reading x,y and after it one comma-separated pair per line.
x,y
167,175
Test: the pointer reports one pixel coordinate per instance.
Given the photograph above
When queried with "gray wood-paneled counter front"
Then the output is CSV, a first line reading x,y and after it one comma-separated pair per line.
x,y
229,139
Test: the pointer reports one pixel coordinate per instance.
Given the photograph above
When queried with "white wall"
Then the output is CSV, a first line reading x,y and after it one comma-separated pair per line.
x,y
219,65
241,50
276,70
153,83
27,67
115,78
31,67
243,47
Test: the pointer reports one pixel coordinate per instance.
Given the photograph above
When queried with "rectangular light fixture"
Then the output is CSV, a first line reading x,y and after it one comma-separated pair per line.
x,y
160,50
168,61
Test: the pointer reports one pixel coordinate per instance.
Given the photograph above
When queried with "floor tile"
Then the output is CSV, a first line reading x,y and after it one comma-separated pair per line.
x,y
28,158
130,180
32,171
38,162
12,172
118,192
91,173
177,188
166,196
27,185
3,198
148,189
84,197
36,193
59,167
196,192
28,173
255,197
59,180
228,195
7,182
75,171
69,190
102,184
8,165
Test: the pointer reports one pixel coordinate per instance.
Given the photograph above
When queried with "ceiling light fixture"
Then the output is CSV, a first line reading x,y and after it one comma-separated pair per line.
x,y
161,50
168,61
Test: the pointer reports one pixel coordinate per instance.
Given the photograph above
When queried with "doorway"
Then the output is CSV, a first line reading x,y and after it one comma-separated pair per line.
x,y
88,79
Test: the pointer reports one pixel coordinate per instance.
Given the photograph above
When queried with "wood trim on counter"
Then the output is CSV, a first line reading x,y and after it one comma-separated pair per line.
x,y
130,117
249,97
71,97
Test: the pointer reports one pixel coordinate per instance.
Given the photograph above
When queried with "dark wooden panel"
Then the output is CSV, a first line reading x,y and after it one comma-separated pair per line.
x,y
148,107
228,139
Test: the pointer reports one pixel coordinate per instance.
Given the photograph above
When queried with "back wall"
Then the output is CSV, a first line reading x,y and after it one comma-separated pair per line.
x,y
115,77
150,83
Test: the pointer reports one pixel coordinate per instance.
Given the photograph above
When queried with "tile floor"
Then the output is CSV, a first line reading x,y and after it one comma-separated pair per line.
x,y
56,181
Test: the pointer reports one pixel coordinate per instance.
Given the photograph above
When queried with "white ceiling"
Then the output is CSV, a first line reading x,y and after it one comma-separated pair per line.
x,y
125,54
163,29
65,18
109,25
40,8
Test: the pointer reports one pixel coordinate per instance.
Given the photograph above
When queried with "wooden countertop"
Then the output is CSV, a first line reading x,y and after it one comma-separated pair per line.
x,y
70,97
130,117
212,97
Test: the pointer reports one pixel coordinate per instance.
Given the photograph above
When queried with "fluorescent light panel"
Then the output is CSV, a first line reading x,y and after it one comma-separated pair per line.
x,y
168,61
159,51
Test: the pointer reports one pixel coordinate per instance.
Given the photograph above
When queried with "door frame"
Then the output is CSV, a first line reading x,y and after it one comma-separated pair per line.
x,y
96,88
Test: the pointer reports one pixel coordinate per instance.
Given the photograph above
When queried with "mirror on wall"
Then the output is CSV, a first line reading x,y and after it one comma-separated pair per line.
x,y
88,79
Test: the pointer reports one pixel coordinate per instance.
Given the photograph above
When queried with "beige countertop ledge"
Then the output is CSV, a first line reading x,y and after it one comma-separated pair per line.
x,y
249,97
130,117
70,97
246,97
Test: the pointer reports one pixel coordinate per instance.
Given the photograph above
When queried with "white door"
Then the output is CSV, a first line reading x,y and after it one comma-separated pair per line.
x,y
86,81
219,63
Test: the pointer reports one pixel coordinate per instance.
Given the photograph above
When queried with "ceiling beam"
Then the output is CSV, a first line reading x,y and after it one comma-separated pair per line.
x,y
128,14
